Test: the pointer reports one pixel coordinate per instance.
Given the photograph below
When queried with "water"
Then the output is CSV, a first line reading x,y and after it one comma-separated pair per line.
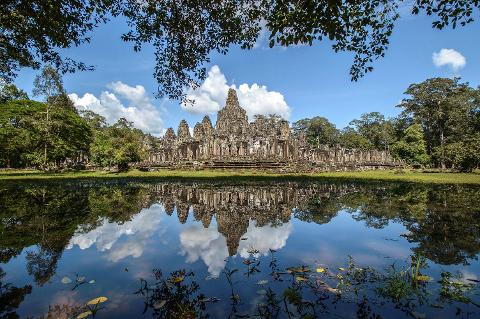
x,y
63,244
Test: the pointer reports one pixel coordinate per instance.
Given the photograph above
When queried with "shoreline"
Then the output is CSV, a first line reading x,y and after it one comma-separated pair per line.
x,y
409,176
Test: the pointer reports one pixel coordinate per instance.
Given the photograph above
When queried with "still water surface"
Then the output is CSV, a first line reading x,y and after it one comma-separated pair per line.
x,y
188,250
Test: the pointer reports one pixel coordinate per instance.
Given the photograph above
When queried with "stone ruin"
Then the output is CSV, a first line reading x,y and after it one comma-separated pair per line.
x,y
267,143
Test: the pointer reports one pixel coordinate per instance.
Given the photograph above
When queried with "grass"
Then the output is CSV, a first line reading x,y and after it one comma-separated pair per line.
x,y
377,175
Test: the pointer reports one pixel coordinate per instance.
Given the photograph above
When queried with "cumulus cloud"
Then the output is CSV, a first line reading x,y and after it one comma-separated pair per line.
x,y
124,240
206,244
449,57
130,102
255,99
209,245
264,238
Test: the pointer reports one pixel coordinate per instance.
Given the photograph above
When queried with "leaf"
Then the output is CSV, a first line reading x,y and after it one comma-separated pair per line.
x,y
97,300
341,269
300,278
159,304
320,270
80,279
262,282
423,278
84,314
66,280
92,281
333,290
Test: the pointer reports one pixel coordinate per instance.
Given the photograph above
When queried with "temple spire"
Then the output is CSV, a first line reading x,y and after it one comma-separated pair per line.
x,y
232,99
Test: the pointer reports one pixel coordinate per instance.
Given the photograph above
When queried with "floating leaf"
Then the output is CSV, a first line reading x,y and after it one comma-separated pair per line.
x,y
97,300
424,278
66,280
80,279
92,281
300,278
333,290
298,269
262,282
341,269
159,304
84,314
320,270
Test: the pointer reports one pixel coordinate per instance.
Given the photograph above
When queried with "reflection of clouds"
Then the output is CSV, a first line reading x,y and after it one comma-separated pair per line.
x,y
211,246
105,237
207,244
264,238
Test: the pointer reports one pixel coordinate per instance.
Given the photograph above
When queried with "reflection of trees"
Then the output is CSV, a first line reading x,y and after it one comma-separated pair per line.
x,y
10,298
48,216
443,221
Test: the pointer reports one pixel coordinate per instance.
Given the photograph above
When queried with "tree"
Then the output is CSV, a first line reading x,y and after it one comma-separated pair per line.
x,y
375,128
49,85
318,130
349,138
117,145
411,147
8,92
23,140
444,107
464,155
185,35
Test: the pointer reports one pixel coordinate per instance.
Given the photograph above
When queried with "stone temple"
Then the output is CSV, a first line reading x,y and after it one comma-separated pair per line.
x,y
265,143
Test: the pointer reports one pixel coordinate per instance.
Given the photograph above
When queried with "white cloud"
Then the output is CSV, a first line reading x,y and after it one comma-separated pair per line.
x,y
210,246
136,233
207,244
210,97
264,238
138,107
449,57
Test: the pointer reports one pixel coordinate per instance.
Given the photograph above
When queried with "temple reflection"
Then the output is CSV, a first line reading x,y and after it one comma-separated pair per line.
x,y
225,220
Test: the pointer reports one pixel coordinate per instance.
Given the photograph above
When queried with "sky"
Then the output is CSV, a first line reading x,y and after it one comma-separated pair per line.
x,y
296,82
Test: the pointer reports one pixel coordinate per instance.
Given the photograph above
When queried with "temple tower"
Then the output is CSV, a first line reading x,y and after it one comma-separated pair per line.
x,y
232,119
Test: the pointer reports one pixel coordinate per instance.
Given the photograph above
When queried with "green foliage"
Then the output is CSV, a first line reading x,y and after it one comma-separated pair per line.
x,y
184,36
376,129
8,92
23,135
350,138
411,147
464,155
117,145
318,130
448,112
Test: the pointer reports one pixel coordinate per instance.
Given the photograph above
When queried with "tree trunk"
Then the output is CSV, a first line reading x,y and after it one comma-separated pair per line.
x,y
46,138
442,144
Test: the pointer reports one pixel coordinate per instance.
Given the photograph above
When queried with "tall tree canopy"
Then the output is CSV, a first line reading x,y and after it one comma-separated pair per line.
x,y
318,130
446,109
185,33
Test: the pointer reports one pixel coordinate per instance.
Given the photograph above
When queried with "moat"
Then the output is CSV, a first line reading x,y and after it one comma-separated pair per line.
x,y
250,250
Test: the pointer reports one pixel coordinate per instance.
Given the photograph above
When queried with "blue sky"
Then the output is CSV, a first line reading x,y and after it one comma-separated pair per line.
x,y
312,80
